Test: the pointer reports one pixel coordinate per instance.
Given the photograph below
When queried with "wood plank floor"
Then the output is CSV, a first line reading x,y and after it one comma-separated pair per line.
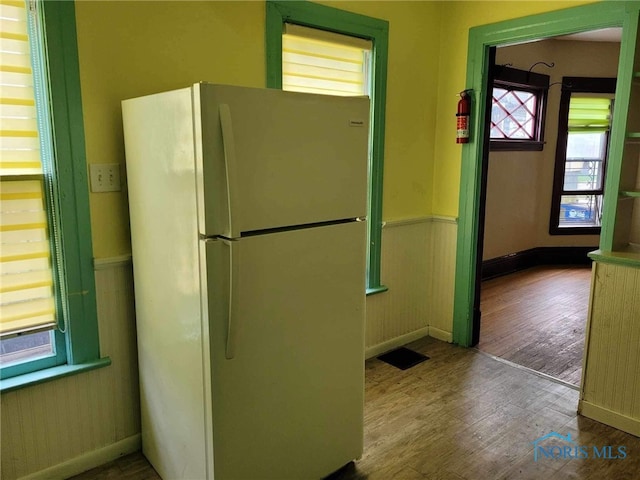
x,y
537,318
459,415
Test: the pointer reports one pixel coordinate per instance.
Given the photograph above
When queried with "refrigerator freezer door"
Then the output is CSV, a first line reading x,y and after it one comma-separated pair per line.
x,y
289,403
269,159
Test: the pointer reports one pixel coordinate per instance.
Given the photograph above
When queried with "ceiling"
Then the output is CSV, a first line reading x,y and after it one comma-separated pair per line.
x,y
602,35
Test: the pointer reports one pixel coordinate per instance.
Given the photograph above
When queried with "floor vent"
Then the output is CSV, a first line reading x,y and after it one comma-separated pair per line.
x,y
403,358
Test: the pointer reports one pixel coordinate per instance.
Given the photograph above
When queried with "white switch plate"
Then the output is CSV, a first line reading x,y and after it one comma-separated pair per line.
x,y
105,177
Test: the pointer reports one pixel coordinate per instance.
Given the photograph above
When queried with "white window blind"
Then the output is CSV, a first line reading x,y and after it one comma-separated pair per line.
x,y
26,288
317,61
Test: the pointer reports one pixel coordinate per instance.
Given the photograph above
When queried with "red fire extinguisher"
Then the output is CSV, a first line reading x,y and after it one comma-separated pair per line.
x,y
464,109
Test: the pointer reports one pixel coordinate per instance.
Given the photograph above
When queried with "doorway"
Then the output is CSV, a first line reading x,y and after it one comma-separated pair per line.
x,y
481,39
535,313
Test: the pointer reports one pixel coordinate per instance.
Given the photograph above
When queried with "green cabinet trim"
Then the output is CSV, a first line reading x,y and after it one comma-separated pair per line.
x,y
629,258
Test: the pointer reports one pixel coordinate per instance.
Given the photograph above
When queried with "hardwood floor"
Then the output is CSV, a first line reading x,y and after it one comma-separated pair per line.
x,y
461,415
129,467
537,318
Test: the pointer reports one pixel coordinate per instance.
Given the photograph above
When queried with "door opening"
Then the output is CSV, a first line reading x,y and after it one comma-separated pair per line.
x,y
519,31
532,287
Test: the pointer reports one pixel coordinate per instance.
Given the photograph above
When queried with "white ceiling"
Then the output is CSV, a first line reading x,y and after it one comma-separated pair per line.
x,y
603,35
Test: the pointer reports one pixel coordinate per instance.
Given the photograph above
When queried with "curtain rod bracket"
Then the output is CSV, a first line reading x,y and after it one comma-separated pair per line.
x,y
549,65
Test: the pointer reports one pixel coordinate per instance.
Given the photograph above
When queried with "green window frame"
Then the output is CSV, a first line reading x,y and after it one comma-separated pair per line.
x,y
78,347
353,24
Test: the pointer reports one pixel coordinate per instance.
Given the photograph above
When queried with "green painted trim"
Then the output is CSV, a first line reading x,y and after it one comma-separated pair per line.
x,y
39,68
631,193
571,20
71,173
376,30
68,202
633,135
45,132
618,130
49,374
375,291
627,259
273,45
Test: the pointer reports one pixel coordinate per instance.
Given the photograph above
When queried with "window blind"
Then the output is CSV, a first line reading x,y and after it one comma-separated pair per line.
x,y
26,278
317,61
589,114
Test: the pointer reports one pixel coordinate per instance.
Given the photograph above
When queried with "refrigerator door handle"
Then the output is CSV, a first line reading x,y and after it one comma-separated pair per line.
x,y
229,146
234,277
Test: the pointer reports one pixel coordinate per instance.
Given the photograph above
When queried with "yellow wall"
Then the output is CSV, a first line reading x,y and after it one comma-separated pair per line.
x,y
411,102
459,17
129,49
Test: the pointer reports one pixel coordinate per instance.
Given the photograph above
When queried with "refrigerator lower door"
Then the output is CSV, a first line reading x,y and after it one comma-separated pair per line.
x,y
286,314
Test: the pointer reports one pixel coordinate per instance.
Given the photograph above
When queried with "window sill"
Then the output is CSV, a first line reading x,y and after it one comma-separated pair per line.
x,y
376,290
34,378
515,146
586,230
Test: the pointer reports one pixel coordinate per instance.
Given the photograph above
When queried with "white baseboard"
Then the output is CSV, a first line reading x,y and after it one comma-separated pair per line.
x,y
89,460
440,334
395,342
608,417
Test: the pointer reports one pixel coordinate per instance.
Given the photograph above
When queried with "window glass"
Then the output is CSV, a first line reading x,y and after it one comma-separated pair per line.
x,y
585,145
513,114
26,347
583,175
580,210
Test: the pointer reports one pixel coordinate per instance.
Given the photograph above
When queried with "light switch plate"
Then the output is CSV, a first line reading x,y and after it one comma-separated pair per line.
x,y
105,177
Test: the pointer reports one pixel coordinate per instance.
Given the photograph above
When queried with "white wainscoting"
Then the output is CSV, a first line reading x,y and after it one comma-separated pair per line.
x,y
68,425
611,378
417,265
65,426
444,231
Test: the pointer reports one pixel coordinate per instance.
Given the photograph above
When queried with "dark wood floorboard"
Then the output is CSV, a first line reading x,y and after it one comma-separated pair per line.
x,y
461,415
129,467
537,318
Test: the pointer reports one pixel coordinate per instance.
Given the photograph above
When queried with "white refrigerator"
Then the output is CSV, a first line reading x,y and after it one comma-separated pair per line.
x,y
248,236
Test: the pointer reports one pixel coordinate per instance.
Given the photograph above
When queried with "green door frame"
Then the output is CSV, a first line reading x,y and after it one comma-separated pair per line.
x,y
481,39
